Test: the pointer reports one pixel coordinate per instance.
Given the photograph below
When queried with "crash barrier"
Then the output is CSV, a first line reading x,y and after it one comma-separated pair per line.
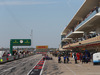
x,y
15,57
3,59
21,56
38,68
10,58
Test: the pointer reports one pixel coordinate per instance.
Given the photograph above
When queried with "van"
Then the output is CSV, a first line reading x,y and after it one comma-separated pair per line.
x,y
96,58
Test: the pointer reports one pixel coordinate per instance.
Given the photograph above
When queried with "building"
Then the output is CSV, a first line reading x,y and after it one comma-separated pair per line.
x,y
83,31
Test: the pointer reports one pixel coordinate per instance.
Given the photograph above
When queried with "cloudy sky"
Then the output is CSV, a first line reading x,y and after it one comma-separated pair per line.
x,y
47,19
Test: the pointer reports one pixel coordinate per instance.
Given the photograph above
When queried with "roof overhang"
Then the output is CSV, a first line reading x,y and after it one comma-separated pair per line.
x,y
76,34
87,6
91,25
63,33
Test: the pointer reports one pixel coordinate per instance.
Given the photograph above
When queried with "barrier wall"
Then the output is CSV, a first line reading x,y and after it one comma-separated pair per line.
x,y
15,57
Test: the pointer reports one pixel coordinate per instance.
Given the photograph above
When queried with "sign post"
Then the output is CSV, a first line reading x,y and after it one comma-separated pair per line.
x,y
19,42
41,47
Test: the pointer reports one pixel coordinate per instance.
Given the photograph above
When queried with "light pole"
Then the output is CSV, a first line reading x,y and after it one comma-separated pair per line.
x,y
31,38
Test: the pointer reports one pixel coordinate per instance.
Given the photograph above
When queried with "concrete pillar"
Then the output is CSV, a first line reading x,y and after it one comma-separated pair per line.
x,y
98,30
85,35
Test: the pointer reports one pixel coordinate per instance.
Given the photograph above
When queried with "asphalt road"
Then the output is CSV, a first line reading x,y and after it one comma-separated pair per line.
x,y
19,67
52,67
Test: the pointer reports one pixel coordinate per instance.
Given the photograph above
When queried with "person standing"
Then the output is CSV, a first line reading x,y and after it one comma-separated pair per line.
x,y
83,59
87,59
64,59
59,59
75,59
73,55
80,57
96,8
67,59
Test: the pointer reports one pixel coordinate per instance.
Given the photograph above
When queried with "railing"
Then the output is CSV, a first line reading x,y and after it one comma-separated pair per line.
x,y
90,16
12,58
88,41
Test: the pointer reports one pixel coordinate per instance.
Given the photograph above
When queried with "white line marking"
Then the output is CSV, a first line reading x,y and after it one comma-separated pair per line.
x,y
15,66
33,67
42,68
78,65
70,70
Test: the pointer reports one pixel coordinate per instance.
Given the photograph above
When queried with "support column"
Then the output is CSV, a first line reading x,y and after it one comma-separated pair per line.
x,y
98,30
85,35
11,48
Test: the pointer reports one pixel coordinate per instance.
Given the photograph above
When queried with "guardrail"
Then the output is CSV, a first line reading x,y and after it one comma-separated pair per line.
x,y
84,42
12,58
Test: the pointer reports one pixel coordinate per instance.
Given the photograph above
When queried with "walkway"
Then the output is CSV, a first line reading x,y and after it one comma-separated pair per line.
x,y
52,67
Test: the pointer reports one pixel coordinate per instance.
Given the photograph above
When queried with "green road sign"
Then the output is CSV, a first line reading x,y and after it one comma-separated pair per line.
x,y
19,42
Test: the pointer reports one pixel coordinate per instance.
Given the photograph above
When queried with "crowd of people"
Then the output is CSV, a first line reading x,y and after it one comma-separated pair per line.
x,y
6,54
84,57
64,58
15,52
83,38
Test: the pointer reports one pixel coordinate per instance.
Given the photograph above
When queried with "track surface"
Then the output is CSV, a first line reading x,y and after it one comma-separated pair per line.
x,y
19,67
52,67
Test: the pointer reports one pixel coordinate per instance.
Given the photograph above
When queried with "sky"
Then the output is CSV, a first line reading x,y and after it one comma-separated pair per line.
x,y
47,19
